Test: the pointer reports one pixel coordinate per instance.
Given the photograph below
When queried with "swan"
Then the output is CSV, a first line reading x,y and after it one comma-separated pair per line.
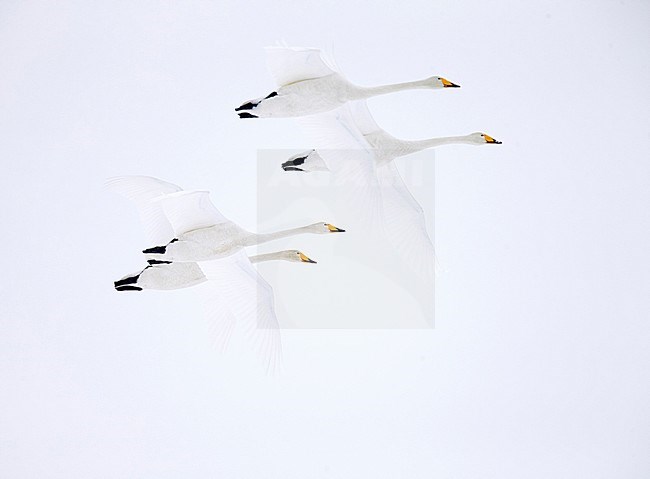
x,y
308,85
167,275
386,148
237,295
353,127
360,154
192,227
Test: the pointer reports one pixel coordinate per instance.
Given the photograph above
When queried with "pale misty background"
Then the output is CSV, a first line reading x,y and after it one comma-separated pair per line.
x,y
538,364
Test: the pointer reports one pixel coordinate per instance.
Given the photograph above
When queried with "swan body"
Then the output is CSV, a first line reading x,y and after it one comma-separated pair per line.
x,y
308,84
193,227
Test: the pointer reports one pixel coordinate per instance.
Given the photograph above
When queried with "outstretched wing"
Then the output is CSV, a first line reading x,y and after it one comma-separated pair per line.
x,y
405,223
348,156
141,190
250,301
189,210
290,65
362,117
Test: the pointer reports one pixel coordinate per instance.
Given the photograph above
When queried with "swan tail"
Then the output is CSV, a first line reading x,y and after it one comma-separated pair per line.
x,y
128,288
244,109
305,161
249,105
128,283
295,163
252,104
159,249
155,250
153,262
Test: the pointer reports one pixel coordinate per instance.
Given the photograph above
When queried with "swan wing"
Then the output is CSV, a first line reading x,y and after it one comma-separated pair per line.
x,y
405,223
189,210
293,64
362,117
141,190
354,176
349,158
249,298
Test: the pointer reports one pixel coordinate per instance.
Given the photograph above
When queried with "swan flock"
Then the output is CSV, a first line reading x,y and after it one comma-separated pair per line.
x,y
190,242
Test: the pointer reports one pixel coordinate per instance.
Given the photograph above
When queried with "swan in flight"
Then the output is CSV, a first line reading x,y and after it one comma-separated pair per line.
x,y
187,227
385,146
167,275
308,85
238,295
360,154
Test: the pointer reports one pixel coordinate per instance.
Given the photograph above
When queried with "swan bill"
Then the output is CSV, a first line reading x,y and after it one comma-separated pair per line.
x,y
447,84
334,229
489,139
305,259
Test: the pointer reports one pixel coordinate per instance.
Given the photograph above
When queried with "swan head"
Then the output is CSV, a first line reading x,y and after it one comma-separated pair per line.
x,y
480,138
440,82
295,256
324,228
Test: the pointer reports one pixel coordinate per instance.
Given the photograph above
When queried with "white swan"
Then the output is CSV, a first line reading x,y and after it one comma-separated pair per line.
x,y
192,228
238,295
385,147
308,85
354,148
167,275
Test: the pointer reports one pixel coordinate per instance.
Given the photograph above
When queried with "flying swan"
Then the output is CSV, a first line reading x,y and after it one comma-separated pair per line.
x,y
167,275
187,227
238,295
308,85
360,155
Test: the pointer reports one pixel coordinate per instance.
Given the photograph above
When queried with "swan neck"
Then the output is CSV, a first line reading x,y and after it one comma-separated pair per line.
x,y
259,258
266,237
418,145
360,92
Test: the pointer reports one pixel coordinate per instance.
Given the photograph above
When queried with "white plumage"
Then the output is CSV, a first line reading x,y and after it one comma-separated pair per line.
x,y
309,84
195,229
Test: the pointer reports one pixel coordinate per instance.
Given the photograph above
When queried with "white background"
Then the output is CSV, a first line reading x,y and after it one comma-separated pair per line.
x,y
538,364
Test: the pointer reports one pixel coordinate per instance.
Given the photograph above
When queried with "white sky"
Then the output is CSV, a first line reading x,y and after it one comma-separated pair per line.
x,y
537,367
